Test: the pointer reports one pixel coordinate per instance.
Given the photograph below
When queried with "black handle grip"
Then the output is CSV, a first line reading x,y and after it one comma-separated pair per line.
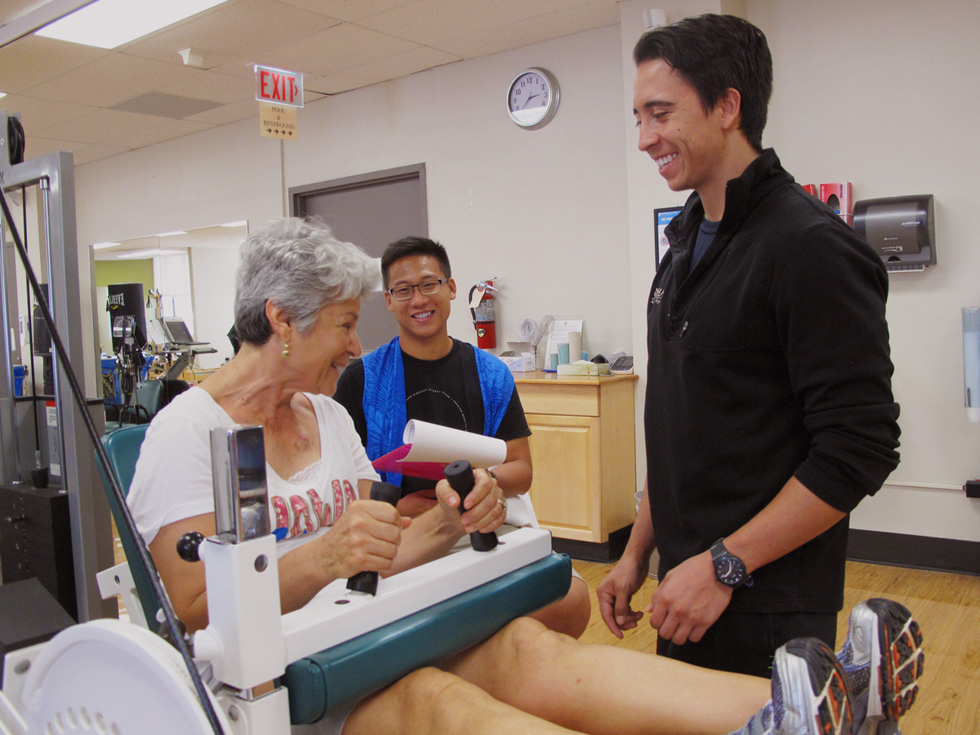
x,y
367,582
460,477
187,546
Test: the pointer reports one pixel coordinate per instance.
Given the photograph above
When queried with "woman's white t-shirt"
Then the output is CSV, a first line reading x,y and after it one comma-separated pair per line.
x,y
173,473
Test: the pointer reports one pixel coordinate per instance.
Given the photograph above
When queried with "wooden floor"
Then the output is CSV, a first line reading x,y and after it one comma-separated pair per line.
x,y
946,606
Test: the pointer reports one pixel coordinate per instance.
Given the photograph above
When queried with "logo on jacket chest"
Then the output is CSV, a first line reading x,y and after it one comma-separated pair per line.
x,y
658,296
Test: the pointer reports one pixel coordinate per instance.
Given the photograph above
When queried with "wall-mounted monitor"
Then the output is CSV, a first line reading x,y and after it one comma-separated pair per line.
x,y
662,218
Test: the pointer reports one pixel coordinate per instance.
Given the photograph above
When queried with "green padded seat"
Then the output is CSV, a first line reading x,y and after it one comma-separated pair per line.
x,y
351,670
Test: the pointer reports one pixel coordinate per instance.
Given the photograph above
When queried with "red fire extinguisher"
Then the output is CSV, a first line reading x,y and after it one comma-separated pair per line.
x,y
481,307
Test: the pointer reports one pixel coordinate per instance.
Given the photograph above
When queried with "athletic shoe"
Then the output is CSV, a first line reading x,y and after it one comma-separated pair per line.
x,y
883,659
809,694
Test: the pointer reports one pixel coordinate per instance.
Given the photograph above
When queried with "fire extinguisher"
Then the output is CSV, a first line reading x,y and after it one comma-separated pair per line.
x,y
483,316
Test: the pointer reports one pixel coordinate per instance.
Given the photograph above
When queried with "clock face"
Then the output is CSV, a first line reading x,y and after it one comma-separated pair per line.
x,y
728,570
532,99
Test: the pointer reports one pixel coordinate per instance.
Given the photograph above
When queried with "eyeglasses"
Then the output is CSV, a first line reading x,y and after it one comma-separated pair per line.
x,y
404,293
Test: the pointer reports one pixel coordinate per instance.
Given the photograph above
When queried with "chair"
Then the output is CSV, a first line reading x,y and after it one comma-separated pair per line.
x,y
351,670
123,448
149,399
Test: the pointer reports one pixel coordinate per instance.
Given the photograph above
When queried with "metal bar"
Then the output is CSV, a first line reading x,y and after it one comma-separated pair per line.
x,y
10,458
88,506
89,510
10,469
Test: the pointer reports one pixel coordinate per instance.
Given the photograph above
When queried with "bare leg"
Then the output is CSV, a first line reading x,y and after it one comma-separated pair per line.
x,y
432,701
569,615
604,689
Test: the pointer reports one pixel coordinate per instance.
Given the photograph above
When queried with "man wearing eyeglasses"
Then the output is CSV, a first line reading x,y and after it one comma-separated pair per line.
x,y
427,375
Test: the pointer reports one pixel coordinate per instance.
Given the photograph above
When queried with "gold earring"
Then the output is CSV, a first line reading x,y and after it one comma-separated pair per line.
x,y
285,350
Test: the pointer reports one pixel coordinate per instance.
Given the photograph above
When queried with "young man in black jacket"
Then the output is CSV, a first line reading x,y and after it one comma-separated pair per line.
x,y
769,411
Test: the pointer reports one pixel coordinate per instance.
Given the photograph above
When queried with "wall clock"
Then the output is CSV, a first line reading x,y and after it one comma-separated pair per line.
x,y
532,98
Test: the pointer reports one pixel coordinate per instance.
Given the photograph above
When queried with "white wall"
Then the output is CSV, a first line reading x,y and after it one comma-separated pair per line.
x,y
876,93
507,203
225,174
543,211
646,190
213,272
879,93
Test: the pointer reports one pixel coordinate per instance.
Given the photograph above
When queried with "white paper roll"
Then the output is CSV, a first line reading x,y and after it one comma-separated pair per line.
x,y
434,443
574,346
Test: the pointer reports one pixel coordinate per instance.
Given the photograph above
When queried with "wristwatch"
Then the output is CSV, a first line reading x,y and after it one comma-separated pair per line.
x,y
729,569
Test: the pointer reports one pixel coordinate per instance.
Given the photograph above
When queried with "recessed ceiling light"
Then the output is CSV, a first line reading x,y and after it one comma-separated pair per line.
x,y
240,223
172,234
111,23
3,94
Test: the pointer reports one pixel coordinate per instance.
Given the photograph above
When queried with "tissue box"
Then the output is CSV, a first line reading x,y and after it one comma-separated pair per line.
x,y
838,196
523,363
583,367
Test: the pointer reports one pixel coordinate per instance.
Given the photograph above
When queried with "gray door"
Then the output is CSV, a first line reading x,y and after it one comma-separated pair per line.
x,y
371,211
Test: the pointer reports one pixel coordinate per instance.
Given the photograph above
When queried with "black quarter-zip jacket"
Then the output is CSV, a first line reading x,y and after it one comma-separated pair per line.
x,y
769,359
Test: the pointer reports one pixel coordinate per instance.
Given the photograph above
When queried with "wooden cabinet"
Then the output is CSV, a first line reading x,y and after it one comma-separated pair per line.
x,y
583,450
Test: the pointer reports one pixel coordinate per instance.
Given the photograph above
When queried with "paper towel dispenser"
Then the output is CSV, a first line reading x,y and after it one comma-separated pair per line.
x,y
902,230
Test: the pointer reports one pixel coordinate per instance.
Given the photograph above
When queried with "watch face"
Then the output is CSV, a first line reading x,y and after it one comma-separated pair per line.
x,y
532,99
729,570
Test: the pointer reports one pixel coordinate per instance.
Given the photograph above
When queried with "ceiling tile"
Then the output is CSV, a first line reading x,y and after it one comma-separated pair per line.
x,y
525,32
242,67
102,126
38,146
349,10
225,31
139,137
391,67
341,47
166,105
39,115
433,20
110,80
230,113
211,85
81,152
89,153
33,60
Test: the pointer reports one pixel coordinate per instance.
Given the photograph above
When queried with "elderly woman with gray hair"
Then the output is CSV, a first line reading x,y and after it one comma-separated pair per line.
x,y
296,312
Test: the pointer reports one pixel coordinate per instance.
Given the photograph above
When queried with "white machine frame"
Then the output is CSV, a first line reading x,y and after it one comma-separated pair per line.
x,y
56,687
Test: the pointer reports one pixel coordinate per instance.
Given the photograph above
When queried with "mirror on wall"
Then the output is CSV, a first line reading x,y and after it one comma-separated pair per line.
x,y
186,276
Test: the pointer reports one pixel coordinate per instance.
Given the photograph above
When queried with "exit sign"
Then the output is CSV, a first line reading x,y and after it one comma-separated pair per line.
x,y
278,86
